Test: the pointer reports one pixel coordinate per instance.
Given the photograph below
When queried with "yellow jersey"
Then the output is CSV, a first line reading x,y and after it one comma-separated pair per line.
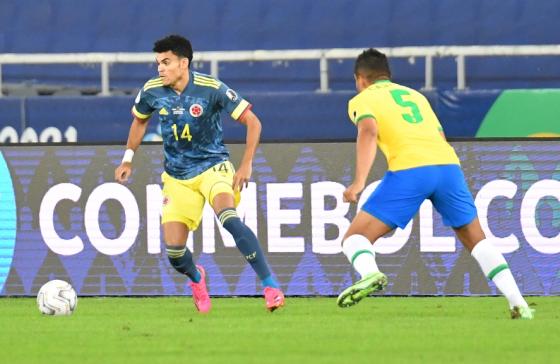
x,y
408,131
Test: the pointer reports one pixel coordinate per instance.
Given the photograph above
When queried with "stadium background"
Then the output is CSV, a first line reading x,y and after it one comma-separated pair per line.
x,y
503,92
283,92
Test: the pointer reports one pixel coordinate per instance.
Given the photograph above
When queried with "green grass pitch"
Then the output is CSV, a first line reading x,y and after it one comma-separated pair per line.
x,y
308,330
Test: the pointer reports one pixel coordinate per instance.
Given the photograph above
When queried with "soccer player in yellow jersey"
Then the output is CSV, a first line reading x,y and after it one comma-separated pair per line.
x,y
421,165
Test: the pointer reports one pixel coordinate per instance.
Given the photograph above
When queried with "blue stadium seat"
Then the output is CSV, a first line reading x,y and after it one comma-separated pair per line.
x,y
53,26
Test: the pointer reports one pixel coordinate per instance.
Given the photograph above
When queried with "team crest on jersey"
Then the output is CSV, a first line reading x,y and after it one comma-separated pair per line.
x,y
231,95
165,201
196,110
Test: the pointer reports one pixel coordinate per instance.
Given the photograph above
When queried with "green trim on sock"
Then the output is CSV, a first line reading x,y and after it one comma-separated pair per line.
x,y
497,270
227,214
358,253
176,253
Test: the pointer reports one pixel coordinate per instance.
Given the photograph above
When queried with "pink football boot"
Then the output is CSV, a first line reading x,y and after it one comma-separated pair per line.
x,y
274,298
200,293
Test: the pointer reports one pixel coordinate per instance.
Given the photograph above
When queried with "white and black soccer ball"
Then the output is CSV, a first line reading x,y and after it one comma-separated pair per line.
x,y
57,297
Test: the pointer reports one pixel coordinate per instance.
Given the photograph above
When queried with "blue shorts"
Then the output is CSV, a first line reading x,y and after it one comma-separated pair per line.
x,y
398,197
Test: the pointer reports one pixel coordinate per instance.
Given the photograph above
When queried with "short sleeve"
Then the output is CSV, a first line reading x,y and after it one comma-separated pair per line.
x,y
142,108
231,101
359,110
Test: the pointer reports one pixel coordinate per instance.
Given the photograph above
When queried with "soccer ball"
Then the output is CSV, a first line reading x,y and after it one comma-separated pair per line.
x,y
57,297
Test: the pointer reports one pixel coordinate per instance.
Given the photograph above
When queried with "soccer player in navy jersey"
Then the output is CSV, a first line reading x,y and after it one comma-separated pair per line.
x,y
197,166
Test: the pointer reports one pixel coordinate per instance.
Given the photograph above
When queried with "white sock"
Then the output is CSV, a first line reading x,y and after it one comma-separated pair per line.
x,y
360,254
496,269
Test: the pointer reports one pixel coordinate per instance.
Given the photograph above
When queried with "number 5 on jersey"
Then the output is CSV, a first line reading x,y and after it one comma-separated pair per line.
x,y
414,116
186,134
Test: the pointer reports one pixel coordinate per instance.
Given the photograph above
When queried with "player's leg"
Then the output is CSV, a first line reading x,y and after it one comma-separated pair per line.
x,y
357,246
245,240
455,203
182,212
358,241
494,266
217,188
393,203
175,235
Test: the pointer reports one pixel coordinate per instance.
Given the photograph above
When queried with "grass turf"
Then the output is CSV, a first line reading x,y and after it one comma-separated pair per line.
x,y
311,330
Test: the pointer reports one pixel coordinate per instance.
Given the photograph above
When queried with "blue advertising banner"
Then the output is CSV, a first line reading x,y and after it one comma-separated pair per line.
x,y
285,116
11,119
293,116
64,217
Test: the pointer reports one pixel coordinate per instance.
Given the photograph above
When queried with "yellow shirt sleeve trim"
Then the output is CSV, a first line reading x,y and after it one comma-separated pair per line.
x,y
138,114
239,109
365,116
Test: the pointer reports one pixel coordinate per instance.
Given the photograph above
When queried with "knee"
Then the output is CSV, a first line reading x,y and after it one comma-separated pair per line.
x,y
353,230
175,234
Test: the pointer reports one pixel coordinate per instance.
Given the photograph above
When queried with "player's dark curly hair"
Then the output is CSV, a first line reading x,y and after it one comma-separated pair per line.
x,y
180,46
372,64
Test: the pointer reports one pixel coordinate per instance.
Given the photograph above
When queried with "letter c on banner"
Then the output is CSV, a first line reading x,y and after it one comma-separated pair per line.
x,y
488,192
57,193
536,192
112,191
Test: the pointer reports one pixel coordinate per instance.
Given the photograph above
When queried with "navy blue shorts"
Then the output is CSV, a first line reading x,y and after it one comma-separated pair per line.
x,y
398,197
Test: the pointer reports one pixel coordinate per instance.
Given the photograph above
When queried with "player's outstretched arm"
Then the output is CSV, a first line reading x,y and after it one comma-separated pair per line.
x,y
366,148
135,135
243,174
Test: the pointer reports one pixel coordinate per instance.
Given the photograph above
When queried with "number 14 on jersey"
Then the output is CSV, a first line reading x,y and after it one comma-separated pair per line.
x,y
185,134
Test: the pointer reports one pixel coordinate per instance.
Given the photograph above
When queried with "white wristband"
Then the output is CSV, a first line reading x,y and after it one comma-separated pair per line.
x,y
128,156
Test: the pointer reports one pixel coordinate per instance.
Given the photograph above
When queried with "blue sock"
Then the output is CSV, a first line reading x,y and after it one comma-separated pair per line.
x,y
248,245
181,260
270,282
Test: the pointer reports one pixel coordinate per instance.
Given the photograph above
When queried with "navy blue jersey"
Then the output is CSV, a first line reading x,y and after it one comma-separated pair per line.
x,y
191,126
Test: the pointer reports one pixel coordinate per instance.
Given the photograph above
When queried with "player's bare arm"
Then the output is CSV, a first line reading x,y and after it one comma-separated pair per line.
x,y
243,174
135,135
366,148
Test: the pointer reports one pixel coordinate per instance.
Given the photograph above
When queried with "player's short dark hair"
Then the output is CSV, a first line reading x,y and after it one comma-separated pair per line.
x,y
372,64
180,46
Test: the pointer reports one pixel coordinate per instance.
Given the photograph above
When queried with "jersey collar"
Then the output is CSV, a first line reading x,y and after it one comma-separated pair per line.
x,y
186,87
188,83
